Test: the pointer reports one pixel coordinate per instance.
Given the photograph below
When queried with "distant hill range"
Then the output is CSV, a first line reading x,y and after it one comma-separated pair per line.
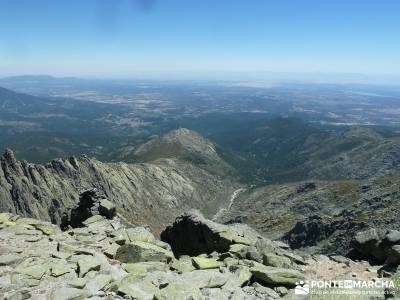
x,y
286,150
13,102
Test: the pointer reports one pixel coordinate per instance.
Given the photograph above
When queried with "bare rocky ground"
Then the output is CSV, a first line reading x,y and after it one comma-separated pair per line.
x,y
98,255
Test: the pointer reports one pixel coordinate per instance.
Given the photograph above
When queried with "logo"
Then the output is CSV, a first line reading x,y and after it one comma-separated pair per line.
x,y
377,287
302,288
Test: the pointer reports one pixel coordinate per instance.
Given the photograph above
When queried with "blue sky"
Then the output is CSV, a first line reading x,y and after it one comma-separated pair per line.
x,y
122,38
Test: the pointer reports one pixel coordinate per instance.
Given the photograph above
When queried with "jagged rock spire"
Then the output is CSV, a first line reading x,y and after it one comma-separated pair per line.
x,y
9,156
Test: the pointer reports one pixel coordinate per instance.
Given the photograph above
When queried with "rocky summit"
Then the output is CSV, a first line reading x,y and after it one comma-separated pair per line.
x,y
97,254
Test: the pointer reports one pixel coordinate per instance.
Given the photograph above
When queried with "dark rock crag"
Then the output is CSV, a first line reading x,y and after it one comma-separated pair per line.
x,y
91,203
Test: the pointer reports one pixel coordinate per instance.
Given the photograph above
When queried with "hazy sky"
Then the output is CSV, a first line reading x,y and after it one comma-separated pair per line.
x,y
132,37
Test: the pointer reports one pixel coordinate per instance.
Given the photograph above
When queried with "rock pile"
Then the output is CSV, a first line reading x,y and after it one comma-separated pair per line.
x,y
91,206
103,258
378,246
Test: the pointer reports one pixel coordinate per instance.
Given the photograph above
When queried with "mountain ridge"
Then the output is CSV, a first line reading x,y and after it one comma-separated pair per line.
x,y
150,192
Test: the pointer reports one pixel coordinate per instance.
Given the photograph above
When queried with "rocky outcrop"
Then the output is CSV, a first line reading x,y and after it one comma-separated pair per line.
x,y
145,193
316,229
90,204
105,259
192,234
379,246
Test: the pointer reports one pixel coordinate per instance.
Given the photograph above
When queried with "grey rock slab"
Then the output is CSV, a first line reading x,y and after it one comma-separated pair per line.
x,y
140,234
270,259
68,293
107,208
393,236
96,284
18,295
110,250
35,271
117,273
144,267
61,268
281,290
179,291
78,283
32,239
206,263
341,259
87,264
204,278
265,291
216,293
93,219
182,265
276,276
366,236
47,229
141,290
9,259
242,275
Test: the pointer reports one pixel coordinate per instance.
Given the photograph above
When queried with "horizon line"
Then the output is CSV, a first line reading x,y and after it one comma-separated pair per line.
x,y
244,76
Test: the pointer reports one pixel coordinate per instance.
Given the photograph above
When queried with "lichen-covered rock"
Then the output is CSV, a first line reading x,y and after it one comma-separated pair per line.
x,y
144,267
139,234
204,278
141,252
111,249
262,291
206,263
47,229
179,291
97,283
239,250
183,264
78,283
9,259
270,259
19,295
107,208
34,271
276,276
242,275
61,268
92,219
66,293
86,264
